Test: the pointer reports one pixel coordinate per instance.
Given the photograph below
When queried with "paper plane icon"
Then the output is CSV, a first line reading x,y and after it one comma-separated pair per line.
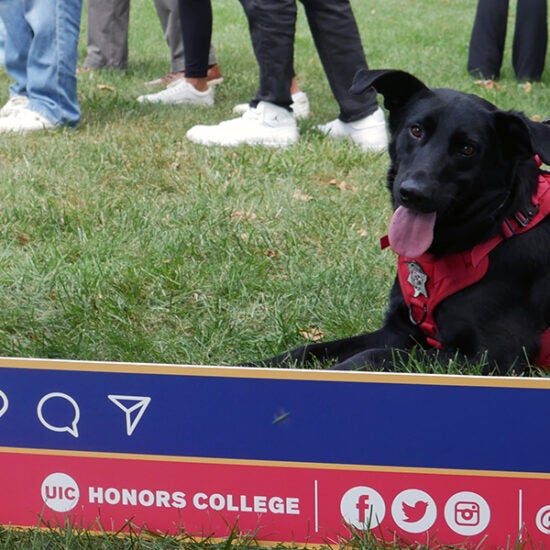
x,y
133,407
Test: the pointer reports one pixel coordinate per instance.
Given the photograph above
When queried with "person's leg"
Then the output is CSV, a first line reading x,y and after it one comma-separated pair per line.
x,y
488,38
271,122
272,26
192,89
107,34
196,26
18,42
51,62
530,39
338,42
51,68
169,17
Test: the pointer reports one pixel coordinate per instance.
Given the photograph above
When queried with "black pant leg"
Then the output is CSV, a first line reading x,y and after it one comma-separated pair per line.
x,y
530,39
196,26
338,42
272,25
487,39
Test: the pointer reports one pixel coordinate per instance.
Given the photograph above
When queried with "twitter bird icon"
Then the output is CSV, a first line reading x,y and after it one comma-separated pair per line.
x,y
414,511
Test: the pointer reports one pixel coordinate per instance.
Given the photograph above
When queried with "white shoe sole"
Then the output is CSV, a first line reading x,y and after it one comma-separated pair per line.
x,y
277,138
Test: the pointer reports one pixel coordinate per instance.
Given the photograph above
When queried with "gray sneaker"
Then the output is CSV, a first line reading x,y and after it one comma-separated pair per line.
x,y
180,92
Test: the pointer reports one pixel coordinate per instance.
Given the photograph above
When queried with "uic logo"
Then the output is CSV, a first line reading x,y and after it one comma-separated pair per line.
x,y
60,492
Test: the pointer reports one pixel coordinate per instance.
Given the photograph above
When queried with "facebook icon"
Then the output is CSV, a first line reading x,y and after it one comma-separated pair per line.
x,y
363,508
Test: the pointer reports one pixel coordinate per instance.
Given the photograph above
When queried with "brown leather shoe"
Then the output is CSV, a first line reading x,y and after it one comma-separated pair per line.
x,y
214,75
166,79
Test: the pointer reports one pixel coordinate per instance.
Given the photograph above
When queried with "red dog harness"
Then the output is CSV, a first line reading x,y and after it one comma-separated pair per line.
x,y
426,280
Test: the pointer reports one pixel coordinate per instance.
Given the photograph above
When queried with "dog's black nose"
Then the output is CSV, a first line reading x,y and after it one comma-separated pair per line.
x,y
415,194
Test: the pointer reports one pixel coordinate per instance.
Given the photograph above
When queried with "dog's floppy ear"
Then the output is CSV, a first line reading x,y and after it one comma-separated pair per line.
x,y
397,87
523,137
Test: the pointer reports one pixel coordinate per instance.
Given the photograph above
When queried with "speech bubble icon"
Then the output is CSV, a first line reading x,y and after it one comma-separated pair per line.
x,y
5,403
72,428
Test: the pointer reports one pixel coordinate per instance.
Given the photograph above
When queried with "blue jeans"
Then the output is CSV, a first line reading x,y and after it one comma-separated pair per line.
x,y
41,55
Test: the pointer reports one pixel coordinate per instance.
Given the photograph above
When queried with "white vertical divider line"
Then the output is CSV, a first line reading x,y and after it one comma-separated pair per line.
x,y
520,513
316,504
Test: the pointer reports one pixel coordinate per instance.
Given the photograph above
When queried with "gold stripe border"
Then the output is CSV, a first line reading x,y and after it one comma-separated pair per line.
x,y
276,374
274,463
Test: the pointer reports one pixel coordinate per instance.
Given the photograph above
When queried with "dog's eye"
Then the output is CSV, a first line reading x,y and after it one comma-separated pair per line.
x,y
416,131
467,150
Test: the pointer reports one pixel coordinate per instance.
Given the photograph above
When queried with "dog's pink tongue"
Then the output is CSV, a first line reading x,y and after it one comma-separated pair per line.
x,y
411,233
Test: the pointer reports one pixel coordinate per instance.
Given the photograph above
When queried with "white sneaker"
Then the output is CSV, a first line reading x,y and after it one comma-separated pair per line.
x,y
15,103
267,124
300,106
24,120
369,132
180,92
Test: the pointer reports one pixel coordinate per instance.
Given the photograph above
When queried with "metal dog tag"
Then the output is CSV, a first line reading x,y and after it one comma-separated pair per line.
x,y
417,279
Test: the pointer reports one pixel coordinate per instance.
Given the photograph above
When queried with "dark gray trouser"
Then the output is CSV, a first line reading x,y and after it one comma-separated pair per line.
x,y
489,35
334,29
107,34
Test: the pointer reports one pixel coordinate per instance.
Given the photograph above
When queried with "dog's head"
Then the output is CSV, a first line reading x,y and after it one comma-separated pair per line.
x,y
459,165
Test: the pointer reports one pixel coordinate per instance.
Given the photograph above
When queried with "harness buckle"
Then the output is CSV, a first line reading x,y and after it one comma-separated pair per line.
x,y
525,218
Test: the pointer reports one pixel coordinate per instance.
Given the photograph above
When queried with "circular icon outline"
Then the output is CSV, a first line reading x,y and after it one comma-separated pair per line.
x,y
5,404
544,511
66,492
428,518
467,513
366,500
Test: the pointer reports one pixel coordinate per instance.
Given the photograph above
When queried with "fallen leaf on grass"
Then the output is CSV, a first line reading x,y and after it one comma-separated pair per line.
x,y
312,334
301,196
105,87
342,185
23,239
242,215
489,84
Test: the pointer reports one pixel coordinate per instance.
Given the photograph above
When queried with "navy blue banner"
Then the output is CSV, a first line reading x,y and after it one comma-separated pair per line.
x,y
295,416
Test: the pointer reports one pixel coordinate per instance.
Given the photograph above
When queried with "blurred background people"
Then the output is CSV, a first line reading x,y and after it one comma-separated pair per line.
x,y
489,36
271,120
107,39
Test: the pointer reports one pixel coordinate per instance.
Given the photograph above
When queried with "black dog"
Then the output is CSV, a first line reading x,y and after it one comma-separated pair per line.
x,y
471,230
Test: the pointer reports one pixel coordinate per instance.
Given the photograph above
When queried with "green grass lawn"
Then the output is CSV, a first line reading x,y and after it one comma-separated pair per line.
x,y
122,241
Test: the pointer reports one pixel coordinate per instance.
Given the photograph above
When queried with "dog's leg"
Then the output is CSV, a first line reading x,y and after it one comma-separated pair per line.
x,y
373,360
338,351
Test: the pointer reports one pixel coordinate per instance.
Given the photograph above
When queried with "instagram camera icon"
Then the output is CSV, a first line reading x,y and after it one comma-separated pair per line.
x,y
467,513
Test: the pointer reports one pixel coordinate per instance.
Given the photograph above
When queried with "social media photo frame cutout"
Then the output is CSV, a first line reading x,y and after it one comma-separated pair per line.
x,y
295,456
